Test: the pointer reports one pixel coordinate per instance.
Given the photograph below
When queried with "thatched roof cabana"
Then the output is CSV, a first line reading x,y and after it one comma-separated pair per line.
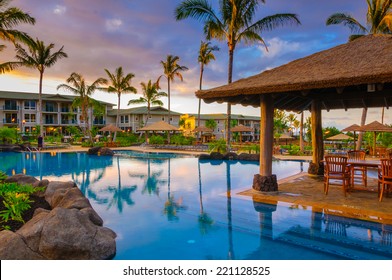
x,y
339,137
159,126
353,75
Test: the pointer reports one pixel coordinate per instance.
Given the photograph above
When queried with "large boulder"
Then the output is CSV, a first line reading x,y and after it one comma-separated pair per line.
x,y
71,230
100,151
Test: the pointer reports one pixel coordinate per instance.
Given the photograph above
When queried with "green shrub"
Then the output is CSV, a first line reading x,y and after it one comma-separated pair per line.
x,y
156,140
217,146
16,199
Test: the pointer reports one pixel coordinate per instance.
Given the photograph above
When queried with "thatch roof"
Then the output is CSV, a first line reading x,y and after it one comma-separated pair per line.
x,y
338,137
285,136
376,127
203,129
339,77
110,128
159,126
241,128
353,127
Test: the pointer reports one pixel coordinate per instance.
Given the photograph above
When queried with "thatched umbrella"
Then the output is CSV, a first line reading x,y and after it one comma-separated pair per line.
x,y
110,128
375,127
339,137
241,128
285,137
159,126
203,129
353,128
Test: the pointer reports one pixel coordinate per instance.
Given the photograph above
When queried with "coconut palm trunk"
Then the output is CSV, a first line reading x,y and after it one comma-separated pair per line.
x,y
360,134
40,109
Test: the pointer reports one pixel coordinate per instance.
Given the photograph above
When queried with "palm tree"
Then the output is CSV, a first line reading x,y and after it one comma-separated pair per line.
x,y
171,69
151,96
234,26
38,56
378,20
10,18
119,84
77,85
205,56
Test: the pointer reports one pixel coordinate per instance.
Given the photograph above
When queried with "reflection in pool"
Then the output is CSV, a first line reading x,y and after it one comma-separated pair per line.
x,y
164,206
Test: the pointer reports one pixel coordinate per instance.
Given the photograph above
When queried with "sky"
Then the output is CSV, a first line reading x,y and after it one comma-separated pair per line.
x,y
138,34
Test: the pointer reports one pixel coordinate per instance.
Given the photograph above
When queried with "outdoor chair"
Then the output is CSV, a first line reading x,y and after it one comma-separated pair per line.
x,y
337,168
358,171
384,177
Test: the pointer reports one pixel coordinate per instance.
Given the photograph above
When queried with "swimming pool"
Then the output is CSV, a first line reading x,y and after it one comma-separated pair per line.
x,y
169,207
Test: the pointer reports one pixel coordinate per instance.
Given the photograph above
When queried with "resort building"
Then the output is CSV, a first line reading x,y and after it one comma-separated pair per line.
x,y
20,110
134,118
190,123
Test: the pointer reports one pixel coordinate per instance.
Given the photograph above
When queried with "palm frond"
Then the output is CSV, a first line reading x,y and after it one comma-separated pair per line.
x,y
269,23
346,20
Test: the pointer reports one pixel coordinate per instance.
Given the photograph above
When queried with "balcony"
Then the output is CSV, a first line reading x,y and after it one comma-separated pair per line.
x,y
51,122
50,110
68,122
10,121
99,122
10,108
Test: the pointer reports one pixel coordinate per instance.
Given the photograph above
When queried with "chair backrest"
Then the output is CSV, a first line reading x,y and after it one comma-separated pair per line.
x,y
356,155
386,167
336,164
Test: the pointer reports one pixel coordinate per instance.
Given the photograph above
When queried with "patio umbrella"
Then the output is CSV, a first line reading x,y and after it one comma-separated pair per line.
x,y
241,128
375,127
203,129
285,137
353,128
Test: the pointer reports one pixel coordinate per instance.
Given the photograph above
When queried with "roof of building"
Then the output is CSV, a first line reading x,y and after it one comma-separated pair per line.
x,y
45,96
224,117
156,110
339,77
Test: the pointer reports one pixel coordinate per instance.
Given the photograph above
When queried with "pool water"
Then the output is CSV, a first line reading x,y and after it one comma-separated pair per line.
x,y
169,207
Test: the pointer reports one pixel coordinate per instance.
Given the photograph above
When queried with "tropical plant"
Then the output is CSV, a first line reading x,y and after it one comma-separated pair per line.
x,y
7,135
40,57
205,56
10,17
78,86
171,69
218,146
151,96
378,21
235,25
211,124
120,84
157,140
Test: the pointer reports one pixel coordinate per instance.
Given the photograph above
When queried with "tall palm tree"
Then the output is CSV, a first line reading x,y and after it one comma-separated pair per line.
x,y
205,56
120,84
378,21
171,69
76,84
151,96
232,24
38,56
10,17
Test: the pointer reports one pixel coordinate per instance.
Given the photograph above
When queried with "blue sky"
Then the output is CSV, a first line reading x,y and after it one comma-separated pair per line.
x,y
138,34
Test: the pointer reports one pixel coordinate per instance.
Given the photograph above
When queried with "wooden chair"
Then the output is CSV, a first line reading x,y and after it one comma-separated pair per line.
x,y
384,177
336,168
358,171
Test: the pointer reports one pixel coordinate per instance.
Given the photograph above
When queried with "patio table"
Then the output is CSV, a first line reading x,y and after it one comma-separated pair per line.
x,y
363,163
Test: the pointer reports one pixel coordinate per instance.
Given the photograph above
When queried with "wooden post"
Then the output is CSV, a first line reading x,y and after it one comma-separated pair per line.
x,y
266,181
316,167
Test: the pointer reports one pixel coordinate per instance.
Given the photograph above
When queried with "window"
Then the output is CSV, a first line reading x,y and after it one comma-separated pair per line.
x,y
50,119
10,105
29,118
30,105
64,108
124,119
11,118
50,107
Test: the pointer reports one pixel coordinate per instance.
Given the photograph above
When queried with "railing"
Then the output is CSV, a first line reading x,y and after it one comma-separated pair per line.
x,y
10,107
50,110
50,122
10,121
68,121
98,122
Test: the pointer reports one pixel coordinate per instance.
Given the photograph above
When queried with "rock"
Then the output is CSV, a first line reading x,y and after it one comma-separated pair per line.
x,y
204,157
56,190
21,179
93,216
106,152
265,183
93,150
69,234
71,198
230,156
13,247
249,157
216,155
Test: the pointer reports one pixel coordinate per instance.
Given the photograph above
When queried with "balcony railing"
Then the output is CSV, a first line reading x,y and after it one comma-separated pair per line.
x,y
10,121
50,110
10,107
99,122
50,122
68,122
